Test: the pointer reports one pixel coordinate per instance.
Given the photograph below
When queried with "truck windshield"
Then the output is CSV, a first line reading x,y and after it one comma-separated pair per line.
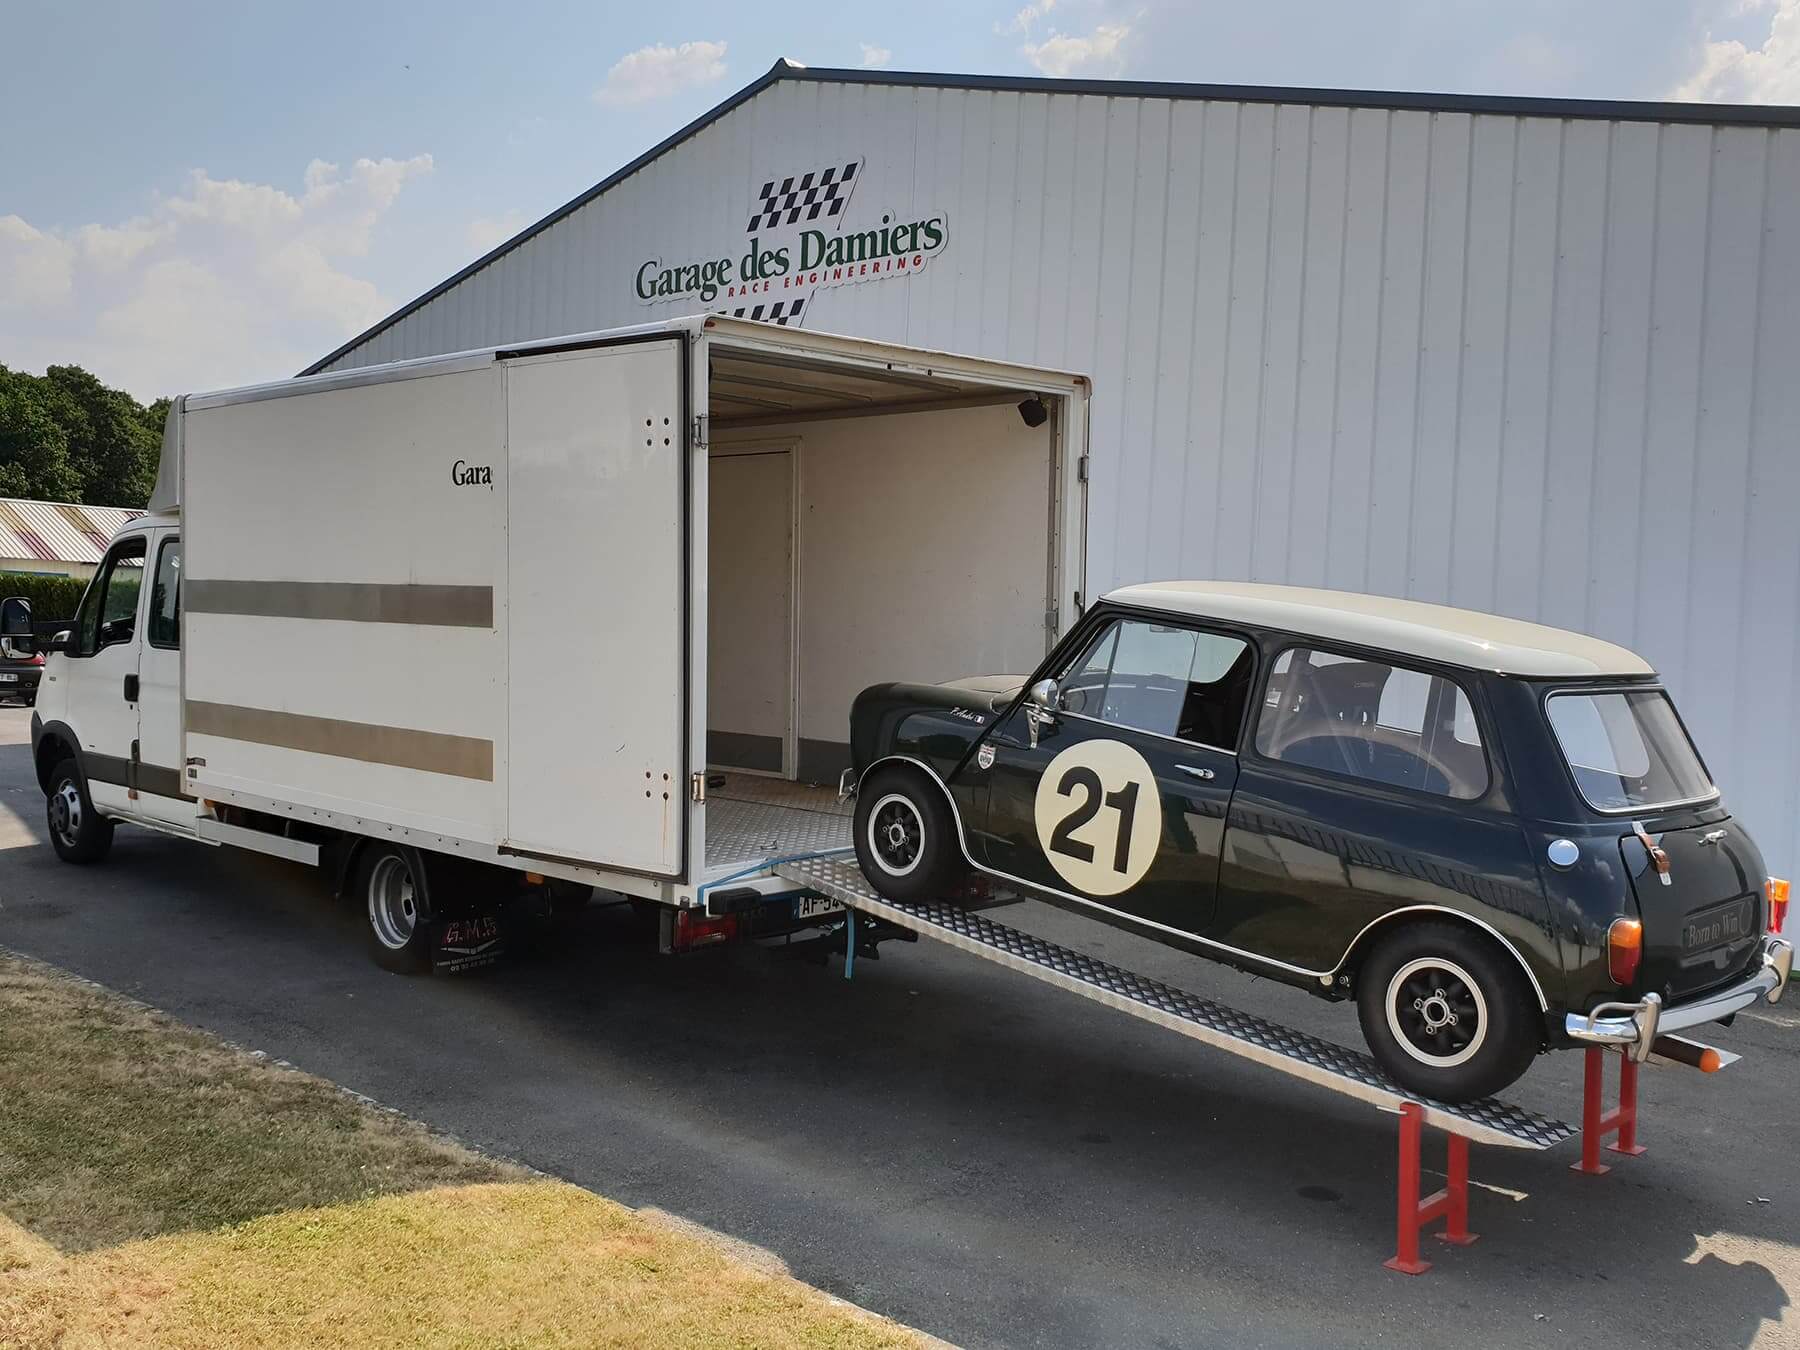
x,y
1628,750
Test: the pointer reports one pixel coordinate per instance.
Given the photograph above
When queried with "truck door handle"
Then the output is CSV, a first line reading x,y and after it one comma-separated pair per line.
x,y
1195,771
131,688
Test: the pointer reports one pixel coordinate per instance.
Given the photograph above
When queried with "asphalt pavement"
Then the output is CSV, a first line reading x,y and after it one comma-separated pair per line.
x,y
953,1144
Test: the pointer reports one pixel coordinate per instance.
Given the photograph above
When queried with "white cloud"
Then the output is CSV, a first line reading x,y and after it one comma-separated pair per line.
x,y
488,232
1729,72
224,282
1099,53
1023,21
657,71
873,56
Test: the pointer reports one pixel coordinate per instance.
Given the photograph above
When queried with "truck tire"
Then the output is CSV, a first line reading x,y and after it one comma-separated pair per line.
x,y
906,839
1446,1012
390,887
78,832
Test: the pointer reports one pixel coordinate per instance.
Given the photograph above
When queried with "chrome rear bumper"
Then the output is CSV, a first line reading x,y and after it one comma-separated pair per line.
x,y
1637,1025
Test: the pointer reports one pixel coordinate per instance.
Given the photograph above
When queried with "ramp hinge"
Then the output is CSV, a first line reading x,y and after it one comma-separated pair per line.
x,y
1081,468
699,436
698,788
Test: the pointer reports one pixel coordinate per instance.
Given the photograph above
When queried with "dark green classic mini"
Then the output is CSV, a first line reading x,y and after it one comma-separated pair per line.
x,y
1496,837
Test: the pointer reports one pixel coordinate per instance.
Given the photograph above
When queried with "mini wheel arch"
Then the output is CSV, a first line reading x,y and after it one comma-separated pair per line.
x,y
1344,975
896,761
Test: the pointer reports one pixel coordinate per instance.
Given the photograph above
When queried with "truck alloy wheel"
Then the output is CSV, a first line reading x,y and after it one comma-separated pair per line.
x,y
906,836
1446,1011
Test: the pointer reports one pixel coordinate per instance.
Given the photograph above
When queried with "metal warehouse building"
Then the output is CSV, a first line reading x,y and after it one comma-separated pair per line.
x,y
1540,357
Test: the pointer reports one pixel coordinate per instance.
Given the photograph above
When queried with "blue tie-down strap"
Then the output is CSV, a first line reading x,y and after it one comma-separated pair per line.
x,y
849,943
766,865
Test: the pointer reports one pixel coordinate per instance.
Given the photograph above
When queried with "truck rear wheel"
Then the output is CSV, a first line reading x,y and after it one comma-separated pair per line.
x,y
906,836
78,832
390,883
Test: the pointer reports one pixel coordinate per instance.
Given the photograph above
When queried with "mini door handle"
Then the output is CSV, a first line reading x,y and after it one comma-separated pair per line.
x,y
131,688
1194,771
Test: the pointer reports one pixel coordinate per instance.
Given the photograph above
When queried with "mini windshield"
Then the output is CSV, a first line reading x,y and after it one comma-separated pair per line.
x,y
1628,750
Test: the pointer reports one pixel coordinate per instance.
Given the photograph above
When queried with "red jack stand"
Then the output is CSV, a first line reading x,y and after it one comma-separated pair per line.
x,y
1450,1204
1597,1124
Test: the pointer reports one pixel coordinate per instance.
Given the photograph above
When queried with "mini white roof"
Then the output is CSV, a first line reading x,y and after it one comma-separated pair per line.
x,y
1457,637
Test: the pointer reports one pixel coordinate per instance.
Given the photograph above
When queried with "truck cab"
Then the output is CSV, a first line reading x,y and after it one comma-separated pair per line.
x,y
109,705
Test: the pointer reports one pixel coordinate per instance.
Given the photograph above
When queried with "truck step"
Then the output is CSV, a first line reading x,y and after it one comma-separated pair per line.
x,y
1331,1066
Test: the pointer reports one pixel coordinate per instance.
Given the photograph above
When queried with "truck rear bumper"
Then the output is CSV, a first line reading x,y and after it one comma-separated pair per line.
x,y
1636,1026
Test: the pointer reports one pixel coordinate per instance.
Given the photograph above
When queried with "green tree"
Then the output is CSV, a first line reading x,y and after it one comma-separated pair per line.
x,y
34,449
65,436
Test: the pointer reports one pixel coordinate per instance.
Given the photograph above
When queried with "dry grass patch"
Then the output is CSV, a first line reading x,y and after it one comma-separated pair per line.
x,y
117,1122
533,1264
207,1198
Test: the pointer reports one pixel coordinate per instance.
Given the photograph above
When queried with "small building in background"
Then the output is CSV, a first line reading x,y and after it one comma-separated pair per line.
x,y
57,539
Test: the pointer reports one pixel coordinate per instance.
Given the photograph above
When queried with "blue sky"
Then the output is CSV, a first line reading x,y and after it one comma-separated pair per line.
x,y
200,194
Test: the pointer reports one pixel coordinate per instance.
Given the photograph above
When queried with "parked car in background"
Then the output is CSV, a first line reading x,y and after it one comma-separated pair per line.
x,y
1495,836
21,663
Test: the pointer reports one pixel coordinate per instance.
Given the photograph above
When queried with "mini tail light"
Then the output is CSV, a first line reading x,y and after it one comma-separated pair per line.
x,y
1624,950
37,658
1777,890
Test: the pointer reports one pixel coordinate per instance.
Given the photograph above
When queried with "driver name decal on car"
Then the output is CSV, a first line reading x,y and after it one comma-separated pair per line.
x,y
1099,817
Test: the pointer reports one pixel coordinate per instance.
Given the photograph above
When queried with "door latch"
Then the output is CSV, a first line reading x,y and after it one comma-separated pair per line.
x,y
131,688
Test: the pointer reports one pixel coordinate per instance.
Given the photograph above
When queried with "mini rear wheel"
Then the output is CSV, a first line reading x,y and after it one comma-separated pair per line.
x,y
78,832
906,836
391,886
1446,1012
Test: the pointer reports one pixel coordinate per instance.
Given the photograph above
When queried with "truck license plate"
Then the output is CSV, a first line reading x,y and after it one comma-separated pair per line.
x,y
814,906
1727,923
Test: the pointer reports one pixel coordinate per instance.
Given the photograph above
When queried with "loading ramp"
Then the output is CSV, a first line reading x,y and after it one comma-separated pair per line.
x,y
1334,1067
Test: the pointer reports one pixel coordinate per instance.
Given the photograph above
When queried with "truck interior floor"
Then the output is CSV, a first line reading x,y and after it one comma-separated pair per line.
x,y
751,820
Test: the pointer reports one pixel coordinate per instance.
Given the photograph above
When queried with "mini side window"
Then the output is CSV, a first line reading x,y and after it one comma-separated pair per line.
x,y
109,609
165,597
1163,678
1372,720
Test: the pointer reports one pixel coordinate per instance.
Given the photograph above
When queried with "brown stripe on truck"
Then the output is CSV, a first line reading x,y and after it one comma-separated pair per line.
x,y
403,747
350,601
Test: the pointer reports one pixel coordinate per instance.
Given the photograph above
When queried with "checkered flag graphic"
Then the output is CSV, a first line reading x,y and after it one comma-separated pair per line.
x,y
782,312
818,192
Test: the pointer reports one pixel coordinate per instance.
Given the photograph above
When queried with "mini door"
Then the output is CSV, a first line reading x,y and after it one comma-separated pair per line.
x,y
1115,795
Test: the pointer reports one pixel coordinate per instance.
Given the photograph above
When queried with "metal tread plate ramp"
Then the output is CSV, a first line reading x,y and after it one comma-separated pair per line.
x,y
1284,1049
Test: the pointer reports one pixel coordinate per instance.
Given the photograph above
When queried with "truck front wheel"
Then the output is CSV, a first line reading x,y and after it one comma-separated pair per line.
x,y
78,832
390,883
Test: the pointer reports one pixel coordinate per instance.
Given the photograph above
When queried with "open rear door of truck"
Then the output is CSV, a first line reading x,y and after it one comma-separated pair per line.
x,y
598,661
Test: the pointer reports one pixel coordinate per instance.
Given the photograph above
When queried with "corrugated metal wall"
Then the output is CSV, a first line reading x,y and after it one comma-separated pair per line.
x,y
1545,367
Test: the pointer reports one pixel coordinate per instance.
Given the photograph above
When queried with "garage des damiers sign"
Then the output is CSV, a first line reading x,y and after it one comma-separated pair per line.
x,y
796,245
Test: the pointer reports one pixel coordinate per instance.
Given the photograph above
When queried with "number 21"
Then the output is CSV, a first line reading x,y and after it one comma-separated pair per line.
x,y
1124,801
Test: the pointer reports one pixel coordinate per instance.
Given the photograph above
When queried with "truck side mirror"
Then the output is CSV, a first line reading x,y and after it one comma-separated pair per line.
x,y
16,639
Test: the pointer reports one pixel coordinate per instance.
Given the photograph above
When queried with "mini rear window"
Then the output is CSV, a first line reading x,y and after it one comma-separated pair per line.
x,y
1627,750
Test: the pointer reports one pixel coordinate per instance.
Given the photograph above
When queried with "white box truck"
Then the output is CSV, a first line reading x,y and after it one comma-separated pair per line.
x,y
593,610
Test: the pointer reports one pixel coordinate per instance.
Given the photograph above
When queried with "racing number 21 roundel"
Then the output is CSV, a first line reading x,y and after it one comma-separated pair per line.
x,y
1099,817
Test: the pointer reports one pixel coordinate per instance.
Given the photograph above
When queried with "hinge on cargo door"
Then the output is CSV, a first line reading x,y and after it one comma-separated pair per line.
x,y
1052,618
698,788
699,436
1081,468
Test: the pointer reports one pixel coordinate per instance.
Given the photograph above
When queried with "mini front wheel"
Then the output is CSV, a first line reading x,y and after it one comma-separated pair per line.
x,y
1446,1012
906,836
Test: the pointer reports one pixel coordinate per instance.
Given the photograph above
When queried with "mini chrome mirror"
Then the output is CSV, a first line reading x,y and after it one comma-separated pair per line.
x,y
1040,708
